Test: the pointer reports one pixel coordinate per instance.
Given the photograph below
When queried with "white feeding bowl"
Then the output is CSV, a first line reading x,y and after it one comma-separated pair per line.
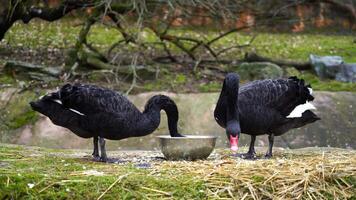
x,y
189,147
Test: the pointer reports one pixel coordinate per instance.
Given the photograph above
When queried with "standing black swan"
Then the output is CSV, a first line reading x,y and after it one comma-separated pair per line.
x,y
92,111
260,107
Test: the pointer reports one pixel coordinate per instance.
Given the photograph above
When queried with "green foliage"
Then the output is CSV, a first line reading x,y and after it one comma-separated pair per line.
x,y
6,79
18,111
23,119
180,79
211,86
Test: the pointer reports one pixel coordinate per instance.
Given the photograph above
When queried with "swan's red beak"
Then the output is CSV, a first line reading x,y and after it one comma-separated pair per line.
x,y
234,142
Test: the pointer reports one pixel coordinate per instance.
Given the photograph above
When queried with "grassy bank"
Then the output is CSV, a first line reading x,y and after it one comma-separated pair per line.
x,y
39,173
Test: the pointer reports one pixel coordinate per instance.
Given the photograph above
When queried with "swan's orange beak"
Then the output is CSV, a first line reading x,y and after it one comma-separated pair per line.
x,y
234,142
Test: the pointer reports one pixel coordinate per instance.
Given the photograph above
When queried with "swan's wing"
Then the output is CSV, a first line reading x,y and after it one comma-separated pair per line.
x,y
90,99
283,95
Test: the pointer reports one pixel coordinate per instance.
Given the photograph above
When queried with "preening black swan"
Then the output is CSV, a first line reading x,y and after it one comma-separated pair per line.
x,y
261,107
91,111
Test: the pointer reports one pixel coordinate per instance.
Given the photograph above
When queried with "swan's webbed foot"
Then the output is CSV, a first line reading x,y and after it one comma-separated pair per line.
x,y
108,160
268,155
95,154
248,155
177,135
251,154
96,157
103,158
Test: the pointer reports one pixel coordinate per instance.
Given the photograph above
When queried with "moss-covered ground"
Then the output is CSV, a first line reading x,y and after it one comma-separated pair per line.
x,y
40,173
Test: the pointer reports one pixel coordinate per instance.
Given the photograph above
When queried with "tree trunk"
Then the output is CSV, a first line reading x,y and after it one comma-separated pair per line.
x,y
14,10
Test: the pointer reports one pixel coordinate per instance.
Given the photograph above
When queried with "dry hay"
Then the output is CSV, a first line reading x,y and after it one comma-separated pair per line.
x,y
307,174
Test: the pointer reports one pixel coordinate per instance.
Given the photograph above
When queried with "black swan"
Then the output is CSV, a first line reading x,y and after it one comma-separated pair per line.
x,y
92,111
263,107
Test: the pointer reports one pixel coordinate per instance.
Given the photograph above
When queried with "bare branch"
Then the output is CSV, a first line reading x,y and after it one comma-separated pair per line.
x,y
236,46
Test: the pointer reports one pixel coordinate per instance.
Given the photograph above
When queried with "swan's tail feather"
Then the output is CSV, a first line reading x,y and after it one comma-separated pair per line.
x,y
304,97
305,91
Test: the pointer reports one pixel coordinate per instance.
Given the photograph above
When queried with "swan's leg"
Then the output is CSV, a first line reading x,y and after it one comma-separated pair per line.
x,y
251,154
96,147
269,151
103,156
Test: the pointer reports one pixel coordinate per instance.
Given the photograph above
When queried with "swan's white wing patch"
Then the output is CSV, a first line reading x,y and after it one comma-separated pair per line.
x,y
76,111
300,109
57,101
310,90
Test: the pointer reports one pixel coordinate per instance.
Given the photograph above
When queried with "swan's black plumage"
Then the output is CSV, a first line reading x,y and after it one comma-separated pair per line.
x,y
261,107
92,111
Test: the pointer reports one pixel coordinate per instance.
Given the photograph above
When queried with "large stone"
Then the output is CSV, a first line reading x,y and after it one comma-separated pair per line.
x,y
336,128
333,67
259,70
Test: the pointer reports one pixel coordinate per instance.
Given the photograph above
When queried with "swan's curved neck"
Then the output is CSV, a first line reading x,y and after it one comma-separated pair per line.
x,y
158,103
231,85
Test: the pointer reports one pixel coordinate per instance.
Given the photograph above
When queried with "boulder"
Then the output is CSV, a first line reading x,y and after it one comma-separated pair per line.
x,y
259,70
336,128
333,67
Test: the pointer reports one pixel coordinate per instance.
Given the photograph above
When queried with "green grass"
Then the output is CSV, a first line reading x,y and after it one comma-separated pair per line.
x,y
327,85
62,34
57,176
40,173
18,112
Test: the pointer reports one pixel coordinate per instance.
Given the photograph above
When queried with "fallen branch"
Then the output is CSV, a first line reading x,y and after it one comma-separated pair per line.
x,y
32,71
253,57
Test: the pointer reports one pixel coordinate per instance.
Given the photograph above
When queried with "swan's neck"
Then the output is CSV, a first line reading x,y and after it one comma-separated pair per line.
x,y
147,123
232,92
152,113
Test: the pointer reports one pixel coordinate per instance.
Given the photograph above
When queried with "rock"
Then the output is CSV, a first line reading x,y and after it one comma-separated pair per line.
x,y
333,67
259,70
336,128
347,73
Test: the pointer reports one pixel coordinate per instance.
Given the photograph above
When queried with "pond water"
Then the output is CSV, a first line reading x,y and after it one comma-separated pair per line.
x,y
336,129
